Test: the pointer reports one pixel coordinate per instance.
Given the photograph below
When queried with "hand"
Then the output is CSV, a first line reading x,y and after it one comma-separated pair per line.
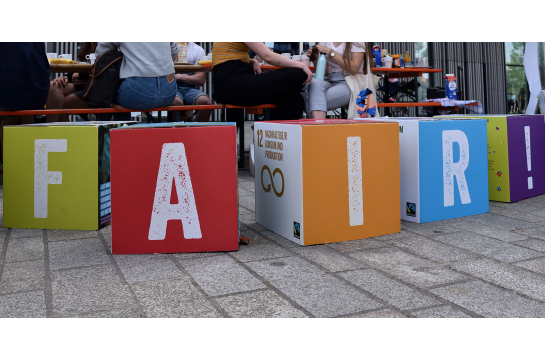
x,y
309,52
62,81
323,49
309,74
256,66
179,77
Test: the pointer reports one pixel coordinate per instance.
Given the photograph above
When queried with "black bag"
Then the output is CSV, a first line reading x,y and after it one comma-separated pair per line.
x,y
103,82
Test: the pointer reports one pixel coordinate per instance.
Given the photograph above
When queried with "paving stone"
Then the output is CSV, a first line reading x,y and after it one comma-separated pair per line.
x,y
440,312
408,267
116,314
220,275
247,185
107,233
262,304
185,256
58,235
280,240
512,212
3,233
316,291
391,291
254,236
253,252
386,313
173,298
428,229
432,250
534,244
535,265
23,276
490,231
244,211
536,233
244,192
328,258
505,275
490,301
535,201
503,222
76,253
247,201
26,233
486,246
356,245
396,236
25,249
23,305
96,288
149,267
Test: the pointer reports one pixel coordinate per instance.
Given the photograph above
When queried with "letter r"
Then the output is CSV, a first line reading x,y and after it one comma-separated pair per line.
x,y
42,177
451,169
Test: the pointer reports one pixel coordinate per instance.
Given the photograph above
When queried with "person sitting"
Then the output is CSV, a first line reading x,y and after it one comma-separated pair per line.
x,y
238,79
146,75
188,92
24,75
343,59
68,84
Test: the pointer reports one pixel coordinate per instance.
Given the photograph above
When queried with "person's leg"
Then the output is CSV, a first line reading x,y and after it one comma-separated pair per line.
x,y
72,101
178,101
203,115
194,96
56,98
317,104
338,95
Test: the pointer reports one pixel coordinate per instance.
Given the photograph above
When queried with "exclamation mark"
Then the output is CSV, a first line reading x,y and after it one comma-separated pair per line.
x,y
528,156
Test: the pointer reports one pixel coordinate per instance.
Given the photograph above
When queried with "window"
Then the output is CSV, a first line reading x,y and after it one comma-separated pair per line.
x,y
517,87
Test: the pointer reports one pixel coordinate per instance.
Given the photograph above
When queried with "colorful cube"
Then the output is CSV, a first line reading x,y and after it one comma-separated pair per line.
x,y
443,168
57,175
174,188
320,181
516,156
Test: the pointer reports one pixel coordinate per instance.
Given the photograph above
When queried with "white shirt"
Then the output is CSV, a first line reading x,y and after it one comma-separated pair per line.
x,y
333,66
194,53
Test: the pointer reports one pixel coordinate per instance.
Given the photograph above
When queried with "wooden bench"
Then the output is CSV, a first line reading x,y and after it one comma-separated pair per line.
x,y
247,110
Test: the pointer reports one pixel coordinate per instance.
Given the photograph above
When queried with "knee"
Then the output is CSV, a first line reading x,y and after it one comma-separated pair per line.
x,y
177,101
316,84
203,100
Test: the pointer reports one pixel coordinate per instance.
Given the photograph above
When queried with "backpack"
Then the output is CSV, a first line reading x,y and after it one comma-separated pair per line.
x,y
101,87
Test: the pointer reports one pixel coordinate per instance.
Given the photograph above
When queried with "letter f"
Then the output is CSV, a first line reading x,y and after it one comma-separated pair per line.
x,y
42,177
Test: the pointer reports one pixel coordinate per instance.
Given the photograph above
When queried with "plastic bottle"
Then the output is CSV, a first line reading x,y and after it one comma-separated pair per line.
x,y
320,67
407,59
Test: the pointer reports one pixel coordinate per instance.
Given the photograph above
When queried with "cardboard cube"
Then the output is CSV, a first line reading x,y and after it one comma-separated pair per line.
x,y
516,156
320,181
174,188
57,175
443,168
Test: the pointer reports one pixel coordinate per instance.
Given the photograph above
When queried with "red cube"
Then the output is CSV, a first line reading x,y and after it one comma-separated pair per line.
x,y
174,188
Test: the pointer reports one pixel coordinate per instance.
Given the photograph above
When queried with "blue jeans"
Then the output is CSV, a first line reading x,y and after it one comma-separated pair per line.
x,y
143,93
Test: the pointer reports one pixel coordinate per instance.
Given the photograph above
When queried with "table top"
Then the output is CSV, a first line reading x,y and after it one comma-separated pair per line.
x,y
85,68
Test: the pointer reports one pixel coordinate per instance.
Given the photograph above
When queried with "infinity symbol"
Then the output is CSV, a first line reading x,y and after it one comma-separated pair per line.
x,y
268,188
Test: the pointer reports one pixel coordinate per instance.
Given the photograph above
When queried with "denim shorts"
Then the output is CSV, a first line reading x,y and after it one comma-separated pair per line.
x,y
142,93
188,93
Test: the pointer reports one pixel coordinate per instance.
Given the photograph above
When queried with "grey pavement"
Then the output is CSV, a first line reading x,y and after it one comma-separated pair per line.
x,y
489,265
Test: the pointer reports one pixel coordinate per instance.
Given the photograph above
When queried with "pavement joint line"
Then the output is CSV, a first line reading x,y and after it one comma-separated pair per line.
x,y
223,313
422,291
22,291
454,306
238,293
159,280
22,261
275,290
507,289
73,315
119,273
521,261
450,284
48,292
78,267
363,312
64,240
3,252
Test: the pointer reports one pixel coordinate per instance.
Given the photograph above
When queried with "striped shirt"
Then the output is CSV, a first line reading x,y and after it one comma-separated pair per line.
x,y
227,51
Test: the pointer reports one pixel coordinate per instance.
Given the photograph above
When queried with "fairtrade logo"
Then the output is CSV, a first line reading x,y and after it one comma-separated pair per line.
x,y
296,230
497,128
271,176
498,188
411,209
499,174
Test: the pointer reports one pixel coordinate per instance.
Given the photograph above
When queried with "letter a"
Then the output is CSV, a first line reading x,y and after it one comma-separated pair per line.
x,y
42,177
174,166
451,169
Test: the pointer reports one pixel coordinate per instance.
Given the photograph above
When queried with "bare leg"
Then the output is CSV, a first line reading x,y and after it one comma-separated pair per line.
x,y
318,114
179,102
203,115
56,98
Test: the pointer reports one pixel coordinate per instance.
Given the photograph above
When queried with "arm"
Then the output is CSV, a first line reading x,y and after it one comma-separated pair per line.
x,y
354,63
174,50
278,60
102,47
196,80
